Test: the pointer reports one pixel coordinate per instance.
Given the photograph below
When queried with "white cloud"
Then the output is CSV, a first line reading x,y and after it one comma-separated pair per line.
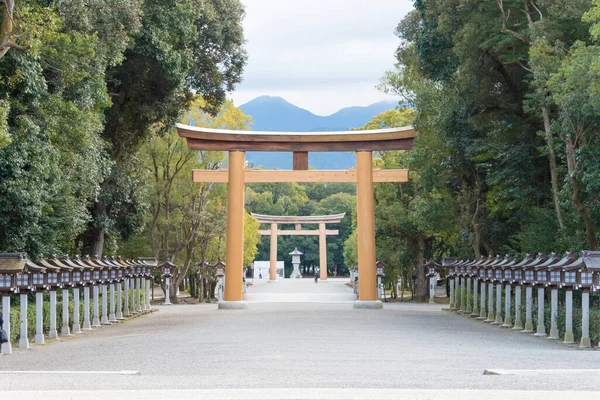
x,y
320,55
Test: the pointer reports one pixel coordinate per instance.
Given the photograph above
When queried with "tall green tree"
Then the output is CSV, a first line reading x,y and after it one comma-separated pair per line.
x,y
182,48
491,80
414,219
186,220
52,156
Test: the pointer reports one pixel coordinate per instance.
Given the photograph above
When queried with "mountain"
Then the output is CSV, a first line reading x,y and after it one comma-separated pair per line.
x,y
276,114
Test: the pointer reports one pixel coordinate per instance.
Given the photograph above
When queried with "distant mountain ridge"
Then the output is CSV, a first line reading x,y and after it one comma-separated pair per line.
x,y
276,114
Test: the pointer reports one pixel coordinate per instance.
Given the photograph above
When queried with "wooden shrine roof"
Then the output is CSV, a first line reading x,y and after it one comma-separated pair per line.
x,y
228,140
12,262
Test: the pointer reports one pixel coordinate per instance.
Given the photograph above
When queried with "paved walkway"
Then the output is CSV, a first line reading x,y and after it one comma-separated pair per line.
x,y
300,290
406,350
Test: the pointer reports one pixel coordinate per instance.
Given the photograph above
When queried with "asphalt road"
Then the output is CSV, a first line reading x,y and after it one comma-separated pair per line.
x,y
300,345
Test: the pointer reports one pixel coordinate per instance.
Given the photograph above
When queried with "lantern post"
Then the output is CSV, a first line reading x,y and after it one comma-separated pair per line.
x,y
87,280
220,267
167,269
379,267
296,263
8,286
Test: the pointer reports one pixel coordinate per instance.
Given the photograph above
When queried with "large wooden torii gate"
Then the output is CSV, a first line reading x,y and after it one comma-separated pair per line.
x,y
274,232
238,142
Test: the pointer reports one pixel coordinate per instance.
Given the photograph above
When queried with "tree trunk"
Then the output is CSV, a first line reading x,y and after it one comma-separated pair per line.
x,y
94,237
201,290
173,289
402,291
553,172
192,283
419,260
576,195
476,232
475,220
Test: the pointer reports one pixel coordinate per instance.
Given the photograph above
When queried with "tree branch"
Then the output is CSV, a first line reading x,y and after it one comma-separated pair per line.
x,y
505,18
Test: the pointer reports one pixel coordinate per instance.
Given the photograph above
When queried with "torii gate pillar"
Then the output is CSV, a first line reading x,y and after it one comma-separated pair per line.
x,y
235,233
322,252
365,218
273,258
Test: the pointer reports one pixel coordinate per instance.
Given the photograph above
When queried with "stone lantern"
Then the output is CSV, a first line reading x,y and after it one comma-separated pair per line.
x,y
26,283
296,263
431,268
150,263
10,263
585,267
167,268
220,267
380,266
77,272
95,270
65,279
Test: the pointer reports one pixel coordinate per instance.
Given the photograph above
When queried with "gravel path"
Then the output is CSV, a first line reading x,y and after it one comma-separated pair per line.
x,y
300,345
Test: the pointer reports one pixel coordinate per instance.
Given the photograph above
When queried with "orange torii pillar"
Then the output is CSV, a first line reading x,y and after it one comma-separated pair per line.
x,y
322,252
235,233
365,222
273,258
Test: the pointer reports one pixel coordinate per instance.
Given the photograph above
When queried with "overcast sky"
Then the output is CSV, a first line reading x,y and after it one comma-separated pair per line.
x,y
321,55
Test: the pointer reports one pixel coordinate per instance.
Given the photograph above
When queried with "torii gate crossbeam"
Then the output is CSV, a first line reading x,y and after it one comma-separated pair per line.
x,y
300,143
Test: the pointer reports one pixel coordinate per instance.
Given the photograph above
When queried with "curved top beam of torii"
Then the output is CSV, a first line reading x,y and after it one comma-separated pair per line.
x,y
199,138
312,219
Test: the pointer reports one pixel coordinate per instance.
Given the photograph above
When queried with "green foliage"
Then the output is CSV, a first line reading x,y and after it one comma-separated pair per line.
x,y
53,97
414,218
182,49
94,80
500,89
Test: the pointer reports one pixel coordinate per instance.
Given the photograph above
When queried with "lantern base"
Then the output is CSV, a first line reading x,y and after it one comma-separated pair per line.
x,y
569,338
368,305
24,343
39,338
6,348
553,334
233,305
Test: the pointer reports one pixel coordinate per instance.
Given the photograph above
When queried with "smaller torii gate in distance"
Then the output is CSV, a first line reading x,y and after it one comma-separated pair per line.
x,y
300,143
274,232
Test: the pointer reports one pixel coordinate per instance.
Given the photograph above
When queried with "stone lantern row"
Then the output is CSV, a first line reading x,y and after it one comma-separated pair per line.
x,y
116,280
470,279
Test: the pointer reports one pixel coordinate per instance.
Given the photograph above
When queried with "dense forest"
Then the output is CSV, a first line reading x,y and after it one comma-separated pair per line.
x,y
505,96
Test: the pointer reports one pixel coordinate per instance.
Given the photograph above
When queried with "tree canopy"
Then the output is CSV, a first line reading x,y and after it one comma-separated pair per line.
x,y
85,85
505,95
